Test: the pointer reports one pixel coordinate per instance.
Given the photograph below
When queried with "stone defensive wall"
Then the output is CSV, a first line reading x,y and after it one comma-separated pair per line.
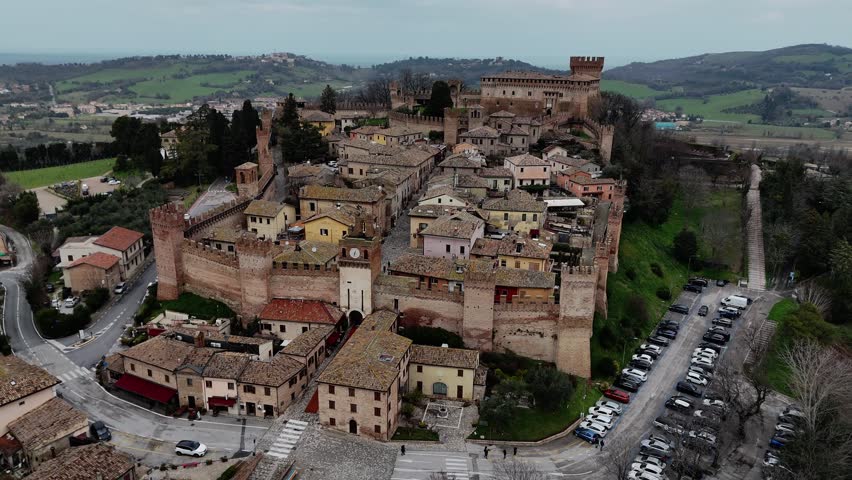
x,y
527,331
308,284
211,273
227,213
418,122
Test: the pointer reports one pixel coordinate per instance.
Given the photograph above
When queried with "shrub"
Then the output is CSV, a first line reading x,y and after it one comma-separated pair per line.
x,y
229,472
432,336
685,245
414,397
607,336
509,362
631,274
407,410
53,324
96,299
664,293
604,367
638,311
550,387
657,269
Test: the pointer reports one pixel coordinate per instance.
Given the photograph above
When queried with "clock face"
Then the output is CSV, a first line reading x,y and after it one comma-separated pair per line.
x,y
354,253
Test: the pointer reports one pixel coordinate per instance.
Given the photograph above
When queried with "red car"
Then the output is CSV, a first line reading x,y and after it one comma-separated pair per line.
x,y
617,395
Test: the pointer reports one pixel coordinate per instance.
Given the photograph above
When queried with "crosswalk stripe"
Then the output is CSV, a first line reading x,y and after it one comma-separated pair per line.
x,y
298,422
275,454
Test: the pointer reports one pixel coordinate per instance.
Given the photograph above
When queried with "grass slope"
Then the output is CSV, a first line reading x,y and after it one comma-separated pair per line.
x,y
635,90
40,177
712,108
642,246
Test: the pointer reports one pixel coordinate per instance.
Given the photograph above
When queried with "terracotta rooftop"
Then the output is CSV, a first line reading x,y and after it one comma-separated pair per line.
x,y
398,131
527,160
366,129
515,277
444,268
485,247
19,379
246,166
115,363
570,161
515,130
439,191
224,234
380,320
160,351
316,116
119,238
431,211
582,180
304,170
460,160
514,201
495,172
45,424
273,373
219,337
370,360
101,260
529,247
502,114
308,311
481,132
551,148
87,462
305,343
263,208
458,180
312,253
457,225
370,147
339,215
357,195
198,358
444,357
226,365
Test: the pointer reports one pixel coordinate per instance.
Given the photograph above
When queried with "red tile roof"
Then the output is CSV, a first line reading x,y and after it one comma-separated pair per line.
x,y
118,238
311,311
100,260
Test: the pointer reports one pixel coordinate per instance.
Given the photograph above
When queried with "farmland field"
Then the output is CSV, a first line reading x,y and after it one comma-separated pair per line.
x,y
712,108
40,177
635,90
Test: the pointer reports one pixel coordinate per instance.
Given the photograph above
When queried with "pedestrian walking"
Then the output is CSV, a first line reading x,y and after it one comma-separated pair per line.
x,y
515,453
486,452
602,445
504,454
402,449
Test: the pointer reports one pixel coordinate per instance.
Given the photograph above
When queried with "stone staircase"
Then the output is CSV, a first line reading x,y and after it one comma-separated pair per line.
x,y
754,227
764,336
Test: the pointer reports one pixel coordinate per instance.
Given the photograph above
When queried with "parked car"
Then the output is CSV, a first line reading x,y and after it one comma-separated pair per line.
x,y
656,446
723,322
604,420
724,332
669,325
587,435
693,288
703,356
654,348
666,333
711,402
702,362
56,303
190,447
643,356
658,340
637,475
114,182
696,378
791,419
650,353
703,310
699,369
689,389
120,288
785,427
701,282
729,312
650,459
627,384
636,373
703,435
706,351
71,302
104,179
770,459
99,431
679,404
647,467
599,410
640,363
735,301
777,442
599,429
679,308
711,346
714,338
707,415
721,282
610,405
617,395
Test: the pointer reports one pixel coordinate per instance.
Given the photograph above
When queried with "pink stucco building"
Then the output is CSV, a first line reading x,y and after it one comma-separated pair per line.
x,y
452,236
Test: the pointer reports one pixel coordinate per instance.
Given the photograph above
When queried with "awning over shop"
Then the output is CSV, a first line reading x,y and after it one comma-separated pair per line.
x,y
149,390
221,402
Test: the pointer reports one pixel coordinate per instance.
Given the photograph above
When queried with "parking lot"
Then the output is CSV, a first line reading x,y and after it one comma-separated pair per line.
x,y
670,367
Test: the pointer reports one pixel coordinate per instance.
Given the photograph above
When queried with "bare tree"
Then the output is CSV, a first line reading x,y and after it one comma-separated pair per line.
x,y
744,387
780,242
821,381
695,183
515,469
618,458
715,233
376,92
811,292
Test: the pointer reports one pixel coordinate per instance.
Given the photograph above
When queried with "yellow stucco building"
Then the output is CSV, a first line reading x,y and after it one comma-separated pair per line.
x,y
328,227
443,372
323,121
268,219
518,211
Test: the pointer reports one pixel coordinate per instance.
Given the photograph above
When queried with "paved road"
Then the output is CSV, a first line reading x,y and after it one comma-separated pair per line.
x,y
214,196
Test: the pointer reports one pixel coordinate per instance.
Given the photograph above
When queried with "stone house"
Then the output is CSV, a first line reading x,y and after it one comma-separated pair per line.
x,y
485,139
311,348
513,285
287,318
583,186
267,219
528,170
436,274
324,122
443,372
553,150
224,238
122,243
268,388
45,431
473,187
149,368
364,133
98,461
517,211
461,164
396,136
421,216
220,381
562,163
499,179
399,184
515,252
98,270
307,256
442,196
190,377
315,199
360,391
452,236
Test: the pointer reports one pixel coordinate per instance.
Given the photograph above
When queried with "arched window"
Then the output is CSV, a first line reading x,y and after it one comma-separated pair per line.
x,y
439,388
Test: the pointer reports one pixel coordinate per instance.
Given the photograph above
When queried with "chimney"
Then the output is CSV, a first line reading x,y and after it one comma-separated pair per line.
x,y
199,339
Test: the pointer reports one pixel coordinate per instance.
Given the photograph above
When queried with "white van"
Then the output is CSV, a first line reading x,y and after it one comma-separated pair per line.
x,y
735,301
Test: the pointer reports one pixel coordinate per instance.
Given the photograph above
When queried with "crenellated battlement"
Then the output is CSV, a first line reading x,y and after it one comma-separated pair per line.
x,y
409,119
298,270
168,216
249,245
587,65
191,247
518,304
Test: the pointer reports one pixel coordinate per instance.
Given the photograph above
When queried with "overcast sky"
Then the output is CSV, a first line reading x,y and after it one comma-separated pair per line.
x,y
543,31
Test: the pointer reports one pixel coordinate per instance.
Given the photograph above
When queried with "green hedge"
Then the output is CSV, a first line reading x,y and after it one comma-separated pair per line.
x,y
432,336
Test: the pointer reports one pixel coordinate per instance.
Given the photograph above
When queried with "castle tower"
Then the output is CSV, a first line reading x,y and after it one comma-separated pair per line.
x,y
476,117
396,97
360,263
455,85
245,176
264,133
614,223
451,125
167,227
255,261
602,264
587,66
576,316
478,319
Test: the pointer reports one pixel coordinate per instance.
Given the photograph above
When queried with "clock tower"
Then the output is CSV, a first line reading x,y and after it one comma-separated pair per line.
x,y
360,262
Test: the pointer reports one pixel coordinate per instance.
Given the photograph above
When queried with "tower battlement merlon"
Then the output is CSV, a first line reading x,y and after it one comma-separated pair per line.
x,y
170,215
587,65
253,246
